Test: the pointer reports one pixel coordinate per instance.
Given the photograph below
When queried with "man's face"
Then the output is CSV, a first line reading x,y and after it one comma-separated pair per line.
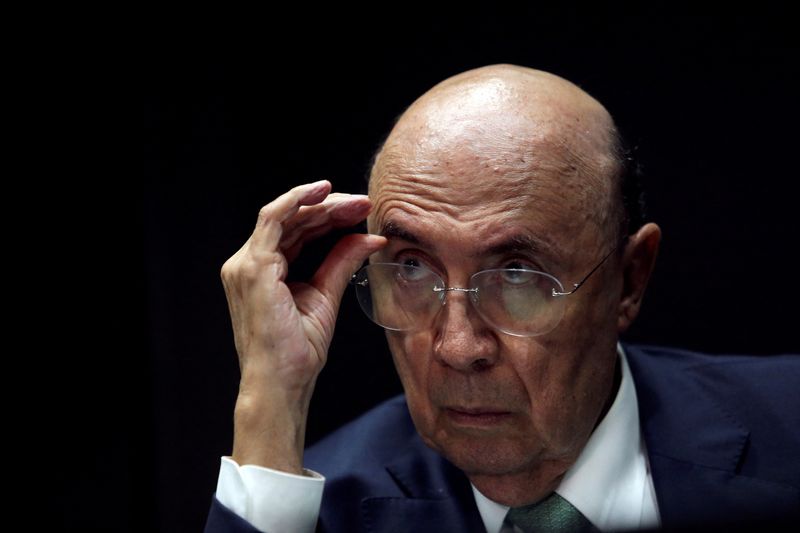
x,y
494,404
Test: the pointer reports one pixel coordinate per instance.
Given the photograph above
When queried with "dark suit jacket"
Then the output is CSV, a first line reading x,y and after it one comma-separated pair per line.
x,y
722,436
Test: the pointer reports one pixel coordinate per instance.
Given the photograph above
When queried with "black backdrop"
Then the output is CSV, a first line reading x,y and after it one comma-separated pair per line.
x,y
234,117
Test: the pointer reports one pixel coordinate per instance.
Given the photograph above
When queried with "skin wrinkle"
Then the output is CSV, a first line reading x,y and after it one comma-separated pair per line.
x,y
523,243
435,199
501,151
550,257
520,192
576,137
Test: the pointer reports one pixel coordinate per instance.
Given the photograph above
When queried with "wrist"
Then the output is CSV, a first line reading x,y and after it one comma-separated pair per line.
x,y
269,431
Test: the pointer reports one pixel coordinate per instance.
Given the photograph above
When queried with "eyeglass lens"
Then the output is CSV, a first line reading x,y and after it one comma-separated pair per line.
x,y
406,298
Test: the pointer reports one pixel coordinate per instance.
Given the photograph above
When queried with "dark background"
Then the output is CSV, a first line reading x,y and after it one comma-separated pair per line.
x,y
235,115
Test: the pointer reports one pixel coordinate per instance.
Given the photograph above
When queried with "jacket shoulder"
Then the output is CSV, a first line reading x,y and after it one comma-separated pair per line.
x,y
748,384
672,358
727,425
366,443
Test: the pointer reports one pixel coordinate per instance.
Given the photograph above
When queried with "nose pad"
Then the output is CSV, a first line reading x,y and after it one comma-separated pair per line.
x,y
463,339
468,299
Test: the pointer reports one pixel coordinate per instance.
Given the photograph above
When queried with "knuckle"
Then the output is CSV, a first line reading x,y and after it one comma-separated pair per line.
x,y
228,269
265,213
265,257
250,269
260,263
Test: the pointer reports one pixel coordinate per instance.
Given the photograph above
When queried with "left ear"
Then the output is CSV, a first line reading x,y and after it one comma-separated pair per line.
x,y
638,262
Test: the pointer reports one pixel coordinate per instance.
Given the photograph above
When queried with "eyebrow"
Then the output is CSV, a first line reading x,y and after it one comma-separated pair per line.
x,y
393,230
520,242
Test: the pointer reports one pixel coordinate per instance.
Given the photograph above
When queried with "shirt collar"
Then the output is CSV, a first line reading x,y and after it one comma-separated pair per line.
x,y
610,464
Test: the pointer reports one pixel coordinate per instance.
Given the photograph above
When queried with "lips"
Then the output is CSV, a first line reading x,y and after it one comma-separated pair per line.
x,y
476,416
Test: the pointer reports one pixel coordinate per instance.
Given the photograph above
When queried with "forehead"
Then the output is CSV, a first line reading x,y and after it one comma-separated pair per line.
x,y
470,161
468,224
475,191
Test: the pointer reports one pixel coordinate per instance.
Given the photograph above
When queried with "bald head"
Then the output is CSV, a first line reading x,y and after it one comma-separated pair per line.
x,y
519,124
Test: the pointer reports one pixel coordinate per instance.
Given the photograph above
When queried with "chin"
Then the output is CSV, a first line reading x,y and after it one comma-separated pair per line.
x,y
488,456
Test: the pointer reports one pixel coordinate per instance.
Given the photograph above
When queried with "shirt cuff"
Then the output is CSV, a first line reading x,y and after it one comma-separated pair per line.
x,y
269,499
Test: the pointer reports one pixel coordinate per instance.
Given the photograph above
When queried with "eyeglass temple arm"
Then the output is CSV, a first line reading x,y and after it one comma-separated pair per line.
x,y
576,286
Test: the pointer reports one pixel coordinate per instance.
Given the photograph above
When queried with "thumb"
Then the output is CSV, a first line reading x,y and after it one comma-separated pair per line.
x,y
334,273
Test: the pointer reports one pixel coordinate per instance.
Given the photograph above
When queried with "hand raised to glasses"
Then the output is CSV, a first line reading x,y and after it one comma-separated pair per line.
x,y
282,331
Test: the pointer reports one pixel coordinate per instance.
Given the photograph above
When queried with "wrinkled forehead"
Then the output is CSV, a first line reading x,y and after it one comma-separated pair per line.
x,y
469,206
483,175
464,179
471,155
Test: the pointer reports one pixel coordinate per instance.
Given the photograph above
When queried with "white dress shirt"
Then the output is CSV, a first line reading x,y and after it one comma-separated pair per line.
x,y
610,483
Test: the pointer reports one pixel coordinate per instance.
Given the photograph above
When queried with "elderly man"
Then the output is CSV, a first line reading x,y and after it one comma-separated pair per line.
x,y
505,261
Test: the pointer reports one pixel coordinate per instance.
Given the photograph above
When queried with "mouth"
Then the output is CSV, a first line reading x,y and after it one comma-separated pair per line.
x,y
476,416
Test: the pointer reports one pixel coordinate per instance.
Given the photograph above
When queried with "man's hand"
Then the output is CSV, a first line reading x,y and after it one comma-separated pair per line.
x,y
282,332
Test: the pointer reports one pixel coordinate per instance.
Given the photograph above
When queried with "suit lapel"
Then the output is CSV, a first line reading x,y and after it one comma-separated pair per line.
x,y
437,497
695,447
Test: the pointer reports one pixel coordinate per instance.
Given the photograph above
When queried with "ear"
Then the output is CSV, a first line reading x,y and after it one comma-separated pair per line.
x,y
638,262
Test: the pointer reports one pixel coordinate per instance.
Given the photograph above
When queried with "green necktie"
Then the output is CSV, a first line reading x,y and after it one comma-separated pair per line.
x,y
553,514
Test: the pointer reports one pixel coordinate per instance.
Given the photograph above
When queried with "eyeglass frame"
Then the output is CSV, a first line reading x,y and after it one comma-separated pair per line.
x,y
474,290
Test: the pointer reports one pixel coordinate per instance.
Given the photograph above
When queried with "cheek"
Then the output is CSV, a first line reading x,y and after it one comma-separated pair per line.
x,y
591,323
546,370
583,354
411,353
560,372
412,359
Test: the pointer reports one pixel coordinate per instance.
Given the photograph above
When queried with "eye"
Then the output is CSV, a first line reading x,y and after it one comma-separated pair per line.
x,y
516,273
412,269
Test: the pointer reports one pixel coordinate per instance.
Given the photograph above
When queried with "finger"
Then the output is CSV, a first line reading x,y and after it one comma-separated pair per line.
x,y
295,248
335,272
340,214
269,227
308,235
337,206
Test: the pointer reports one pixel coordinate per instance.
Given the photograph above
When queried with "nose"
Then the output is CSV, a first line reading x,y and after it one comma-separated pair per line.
x,y
463,341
